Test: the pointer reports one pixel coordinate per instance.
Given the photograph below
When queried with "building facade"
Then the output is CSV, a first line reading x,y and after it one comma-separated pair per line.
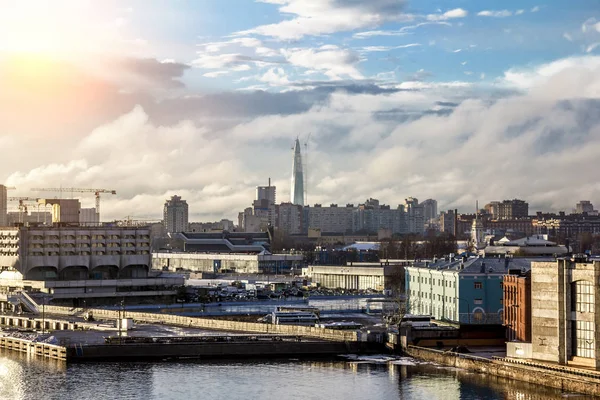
x,y
228,263
585,206
513,209
331,219
467,291
565,313
517,305
76,263
175,215
268,193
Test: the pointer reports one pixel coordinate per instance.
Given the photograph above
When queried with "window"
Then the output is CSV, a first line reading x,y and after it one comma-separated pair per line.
x,y
478,301
477,285
583,339
582,296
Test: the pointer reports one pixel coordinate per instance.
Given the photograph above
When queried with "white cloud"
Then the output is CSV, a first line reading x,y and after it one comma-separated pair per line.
x,y
519,12
321,17
455,13
496,14
568,37
332,61
406,30
565,74
275,77
215,74
549,133
535,9
590,25
369,49
592,47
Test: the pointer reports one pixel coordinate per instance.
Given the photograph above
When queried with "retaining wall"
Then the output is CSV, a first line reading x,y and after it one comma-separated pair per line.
x,y
570,380
35,348
214,324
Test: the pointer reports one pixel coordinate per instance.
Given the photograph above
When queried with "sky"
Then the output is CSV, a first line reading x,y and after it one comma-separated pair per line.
x,y
458,101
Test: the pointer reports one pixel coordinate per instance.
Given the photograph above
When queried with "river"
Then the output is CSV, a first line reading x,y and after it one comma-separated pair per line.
x,y
24,378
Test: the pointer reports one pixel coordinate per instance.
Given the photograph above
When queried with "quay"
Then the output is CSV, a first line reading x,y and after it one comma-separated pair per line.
x,y
165,336
567,379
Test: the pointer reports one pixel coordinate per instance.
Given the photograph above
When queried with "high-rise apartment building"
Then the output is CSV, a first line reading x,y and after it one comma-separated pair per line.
x,y
266,193
513,209
585,206
297,192
3,206
175,215
414,215
332,218
429,209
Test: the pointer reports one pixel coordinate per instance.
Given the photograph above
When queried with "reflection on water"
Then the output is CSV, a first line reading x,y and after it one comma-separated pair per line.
x,y
23,377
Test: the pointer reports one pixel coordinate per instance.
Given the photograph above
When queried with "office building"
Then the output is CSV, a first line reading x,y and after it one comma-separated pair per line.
x,y
175,215
297,189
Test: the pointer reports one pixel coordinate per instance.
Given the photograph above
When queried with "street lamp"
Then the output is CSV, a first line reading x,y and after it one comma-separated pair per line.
x,y
468,310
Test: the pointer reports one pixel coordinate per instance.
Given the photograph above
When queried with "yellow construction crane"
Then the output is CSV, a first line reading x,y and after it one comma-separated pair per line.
x,y
96,192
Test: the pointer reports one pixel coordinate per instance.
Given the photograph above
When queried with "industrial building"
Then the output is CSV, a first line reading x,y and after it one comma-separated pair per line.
x,y
357,276
565,314
228,262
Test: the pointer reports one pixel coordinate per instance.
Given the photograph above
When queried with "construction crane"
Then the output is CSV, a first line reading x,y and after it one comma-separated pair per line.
x,y
22,206
96,192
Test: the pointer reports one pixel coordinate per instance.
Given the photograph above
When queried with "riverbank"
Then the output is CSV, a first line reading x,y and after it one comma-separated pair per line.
x,y
566,379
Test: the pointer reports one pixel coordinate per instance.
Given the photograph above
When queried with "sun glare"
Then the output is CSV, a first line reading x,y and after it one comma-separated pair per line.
x,y
51,27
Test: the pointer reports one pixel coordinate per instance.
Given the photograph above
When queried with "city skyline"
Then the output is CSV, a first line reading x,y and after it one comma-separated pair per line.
x,y
466,102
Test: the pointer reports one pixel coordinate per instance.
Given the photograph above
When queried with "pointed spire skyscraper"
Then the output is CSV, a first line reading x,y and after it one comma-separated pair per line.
x,y
297,192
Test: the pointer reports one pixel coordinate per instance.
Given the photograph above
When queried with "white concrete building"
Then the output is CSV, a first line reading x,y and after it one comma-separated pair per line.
x,y
80,262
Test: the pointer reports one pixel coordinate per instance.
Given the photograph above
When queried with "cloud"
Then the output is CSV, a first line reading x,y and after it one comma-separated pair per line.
x,y
495,14
400,32
369,49
568,37
565,76
333,61
275,77
590,25
214,148
451,14
519,12
232,61
535,9
592,47
321,17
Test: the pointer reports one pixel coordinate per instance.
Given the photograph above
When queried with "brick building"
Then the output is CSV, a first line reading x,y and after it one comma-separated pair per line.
x,y
517,306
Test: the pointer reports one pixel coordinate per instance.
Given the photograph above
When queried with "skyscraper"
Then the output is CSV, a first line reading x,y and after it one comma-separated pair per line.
x,y
297,193
3,206
176,215
266,193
